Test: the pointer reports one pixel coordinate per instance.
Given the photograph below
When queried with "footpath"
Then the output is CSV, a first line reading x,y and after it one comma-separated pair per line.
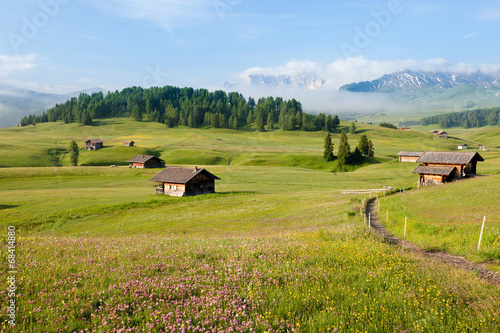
x,y
443,257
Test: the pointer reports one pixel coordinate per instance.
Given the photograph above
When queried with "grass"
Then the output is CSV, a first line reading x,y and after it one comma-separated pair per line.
x,y
276,249
449,218
47,144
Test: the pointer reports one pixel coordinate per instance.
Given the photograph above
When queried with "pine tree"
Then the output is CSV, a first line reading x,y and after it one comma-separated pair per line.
x,y
344,149
356,157
136,113
74,153
328,153
352,129
86,119
364,145
270,121
370,148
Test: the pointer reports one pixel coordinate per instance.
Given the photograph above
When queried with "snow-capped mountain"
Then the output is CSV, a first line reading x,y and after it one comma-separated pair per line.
x,y
415,81
303,80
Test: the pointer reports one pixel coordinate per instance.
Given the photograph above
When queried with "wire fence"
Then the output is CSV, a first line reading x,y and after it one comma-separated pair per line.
x,y
388,214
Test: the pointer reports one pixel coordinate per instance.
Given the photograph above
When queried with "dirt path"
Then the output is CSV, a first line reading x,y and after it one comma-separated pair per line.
x,y
455,261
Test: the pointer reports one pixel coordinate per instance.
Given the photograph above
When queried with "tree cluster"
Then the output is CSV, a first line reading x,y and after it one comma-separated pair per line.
x,y
388,125
190,107
344,154
466,119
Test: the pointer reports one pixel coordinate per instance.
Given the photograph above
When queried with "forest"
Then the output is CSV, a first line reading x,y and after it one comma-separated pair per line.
x,y
174,106
466,119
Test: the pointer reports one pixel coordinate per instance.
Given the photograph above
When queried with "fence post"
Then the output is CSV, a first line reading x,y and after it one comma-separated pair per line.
x,y
405,226
481,234
369,220
378,204
364,219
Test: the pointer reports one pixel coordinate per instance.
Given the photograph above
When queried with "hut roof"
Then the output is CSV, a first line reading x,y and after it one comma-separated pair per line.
x,y
447,157
142,158
95,141
411,153
434,170
178,175
127,141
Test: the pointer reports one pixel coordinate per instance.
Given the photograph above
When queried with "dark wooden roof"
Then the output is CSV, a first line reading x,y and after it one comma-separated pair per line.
x,y
127,141
179,175
143,158
434,170
446,157
411,153
95,141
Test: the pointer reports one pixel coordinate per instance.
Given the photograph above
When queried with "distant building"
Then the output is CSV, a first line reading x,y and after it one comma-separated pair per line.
x,y
180,182
94,144
404,128
441,167
464,146
146,161
22,124
442,135
409,156
128,143
434,132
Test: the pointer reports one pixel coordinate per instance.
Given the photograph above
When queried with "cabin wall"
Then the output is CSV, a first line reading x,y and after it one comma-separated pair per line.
x,y
408,158
174,190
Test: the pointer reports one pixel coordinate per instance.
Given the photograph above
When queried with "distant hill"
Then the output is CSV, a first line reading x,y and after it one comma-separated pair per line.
x,y
16,103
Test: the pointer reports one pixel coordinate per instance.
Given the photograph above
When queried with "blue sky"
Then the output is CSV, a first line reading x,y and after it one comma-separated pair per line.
x,y
61,46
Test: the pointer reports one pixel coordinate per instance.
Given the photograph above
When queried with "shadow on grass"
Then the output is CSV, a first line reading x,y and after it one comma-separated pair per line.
x,y
8,206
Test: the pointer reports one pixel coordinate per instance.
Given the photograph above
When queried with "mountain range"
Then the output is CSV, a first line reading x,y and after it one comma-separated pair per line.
x,y
413,82
16,103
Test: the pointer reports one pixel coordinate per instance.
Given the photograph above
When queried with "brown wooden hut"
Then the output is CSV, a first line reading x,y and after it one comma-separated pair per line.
x,y
440,167
128,143
146,161
94,144
442,135
409,156
179,182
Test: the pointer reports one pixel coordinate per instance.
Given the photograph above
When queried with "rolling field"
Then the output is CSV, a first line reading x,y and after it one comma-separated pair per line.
x,y
276,249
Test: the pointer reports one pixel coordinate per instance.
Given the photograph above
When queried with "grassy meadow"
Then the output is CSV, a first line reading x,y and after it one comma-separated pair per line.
x,y
276,249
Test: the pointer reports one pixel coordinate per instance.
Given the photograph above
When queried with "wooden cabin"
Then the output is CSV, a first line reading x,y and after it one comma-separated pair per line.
x,y
441,167
22,124
462,147
442,135
128,143
409,156
180,182
434,132
146,161
405,128
94,144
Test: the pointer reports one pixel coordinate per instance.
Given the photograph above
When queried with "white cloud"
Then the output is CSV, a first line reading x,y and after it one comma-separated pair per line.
x,y
472,35
166,14
17,63
489,14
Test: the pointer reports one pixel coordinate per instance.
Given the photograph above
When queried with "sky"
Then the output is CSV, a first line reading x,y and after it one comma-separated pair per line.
x,y
60,46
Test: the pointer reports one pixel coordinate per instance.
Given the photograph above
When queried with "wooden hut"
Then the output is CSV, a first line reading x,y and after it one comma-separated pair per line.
x,y
146,161
462,147
409,156
405,128
179,182
94,144
442,135
440,167
22,124
128,143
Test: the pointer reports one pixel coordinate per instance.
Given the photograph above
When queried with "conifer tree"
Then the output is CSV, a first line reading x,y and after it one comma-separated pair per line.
x,y
352,129
74,153
328,153
364,145
344,149
370,148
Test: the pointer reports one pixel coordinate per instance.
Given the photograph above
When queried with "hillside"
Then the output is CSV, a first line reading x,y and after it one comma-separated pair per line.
x,y
46,144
